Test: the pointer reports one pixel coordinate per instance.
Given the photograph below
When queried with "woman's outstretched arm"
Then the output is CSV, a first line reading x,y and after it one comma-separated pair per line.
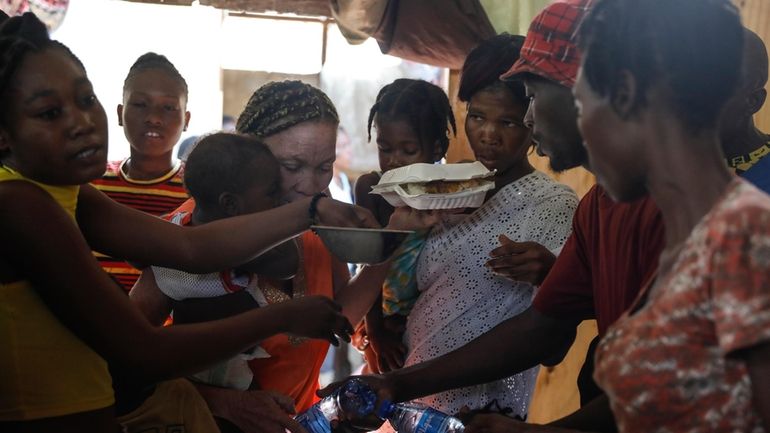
x,y
119,231
43,245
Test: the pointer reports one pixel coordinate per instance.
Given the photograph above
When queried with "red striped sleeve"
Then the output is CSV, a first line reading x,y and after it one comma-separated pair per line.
x,y
155,198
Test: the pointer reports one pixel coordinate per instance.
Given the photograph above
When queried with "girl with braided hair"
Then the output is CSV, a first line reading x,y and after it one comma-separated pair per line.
x,y
61,315
153,115
413,119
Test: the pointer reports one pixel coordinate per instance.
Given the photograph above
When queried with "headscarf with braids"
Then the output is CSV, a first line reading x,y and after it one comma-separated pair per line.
x,y
421,104
280,105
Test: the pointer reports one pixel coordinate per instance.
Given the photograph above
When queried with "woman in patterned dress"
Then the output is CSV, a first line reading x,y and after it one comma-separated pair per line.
x,y
693,353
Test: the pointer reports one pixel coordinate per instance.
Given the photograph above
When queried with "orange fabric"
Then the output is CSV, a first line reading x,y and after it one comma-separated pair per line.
x,y
187,207
293,369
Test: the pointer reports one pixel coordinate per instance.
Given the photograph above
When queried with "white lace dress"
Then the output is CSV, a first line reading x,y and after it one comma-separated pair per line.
x,y
460,299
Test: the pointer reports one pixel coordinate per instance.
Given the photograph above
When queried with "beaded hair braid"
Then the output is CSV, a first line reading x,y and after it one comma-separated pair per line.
x,y
280,105
20,36
155,61
422,104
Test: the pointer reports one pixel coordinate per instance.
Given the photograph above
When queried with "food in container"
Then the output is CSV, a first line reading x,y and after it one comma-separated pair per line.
x,y
473,197
429,186
422,172
444,186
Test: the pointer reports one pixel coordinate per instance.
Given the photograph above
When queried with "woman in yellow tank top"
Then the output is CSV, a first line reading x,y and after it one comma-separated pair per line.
x,y
60,314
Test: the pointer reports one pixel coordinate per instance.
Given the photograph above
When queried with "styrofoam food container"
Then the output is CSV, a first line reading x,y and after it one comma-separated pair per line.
x,y
472,198
391,196
421,172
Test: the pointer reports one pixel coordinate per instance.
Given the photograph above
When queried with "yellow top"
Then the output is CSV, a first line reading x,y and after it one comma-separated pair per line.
x,y
45,370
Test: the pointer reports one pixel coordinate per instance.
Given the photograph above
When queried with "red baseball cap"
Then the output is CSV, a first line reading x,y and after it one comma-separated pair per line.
x,y
550,51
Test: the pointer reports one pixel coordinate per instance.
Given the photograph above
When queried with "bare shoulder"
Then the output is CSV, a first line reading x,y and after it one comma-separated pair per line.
x,y
31,219
18,197
89,195
21,206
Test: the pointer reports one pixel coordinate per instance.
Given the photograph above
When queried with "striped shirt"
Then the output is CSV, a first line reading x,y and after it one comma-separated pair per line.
x,y
155,197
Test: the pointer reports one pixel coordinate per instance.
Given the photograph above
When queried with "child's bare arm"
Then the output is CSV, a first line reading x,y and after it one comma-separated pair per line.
x,y
386,339
381,209
362,189
340,276
152,302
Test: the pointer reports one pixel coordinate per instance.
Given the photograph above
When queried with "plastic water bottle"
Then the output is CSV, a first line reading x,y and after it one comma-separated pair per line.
x,y
354,399
413,418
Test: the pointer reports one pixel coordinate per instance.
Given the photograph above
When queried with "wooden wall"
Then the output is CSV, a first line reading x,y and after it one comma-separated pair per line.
x,y
238,86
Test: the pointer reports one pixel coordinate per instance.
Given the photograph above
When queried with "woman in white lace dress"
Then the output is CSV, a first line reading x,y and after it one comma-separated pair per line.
x,y
460,297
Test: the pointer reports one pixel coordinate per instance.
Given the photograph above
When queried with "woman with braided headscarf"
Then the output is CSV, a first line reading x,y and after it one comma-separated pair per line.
x,y
299,124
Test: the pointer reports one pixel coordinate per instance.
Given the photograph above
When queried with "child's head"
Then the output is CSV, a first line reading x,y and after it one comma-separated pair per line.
x,y
412,118
229,174
52,127
154,109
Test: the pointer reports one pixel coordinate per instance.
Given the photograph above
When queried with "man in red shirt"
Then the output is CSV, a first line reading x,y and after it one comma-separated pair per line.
x,y
611,253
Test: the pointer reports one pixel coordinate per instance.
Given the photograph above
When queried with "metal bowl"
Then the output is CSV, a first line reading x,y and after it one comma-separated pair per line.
x,y
364,246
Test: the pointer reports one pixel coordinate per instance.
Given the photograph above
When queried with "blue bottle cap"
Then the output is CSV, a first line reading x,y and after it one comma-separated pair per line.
x,y
386,409
356,397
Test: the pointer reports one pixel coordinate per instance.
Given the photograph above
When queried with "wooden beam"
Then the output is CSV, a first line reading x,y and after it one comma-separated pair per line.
x,y
315,8
310,8
165,2
276,17
459,149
